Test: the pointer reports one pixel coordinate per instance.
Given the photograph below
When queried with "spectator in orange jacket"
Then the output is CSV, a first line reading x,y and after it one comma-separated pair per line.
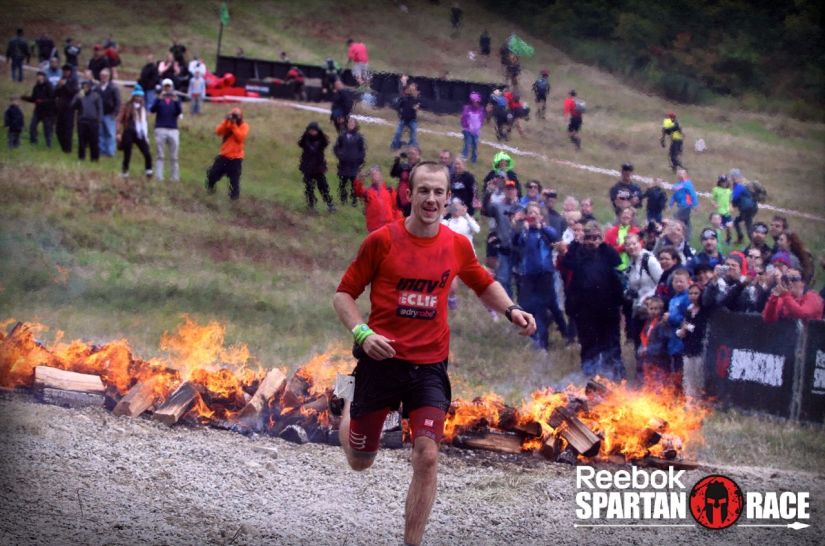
x,y
790,300
380,206
233,130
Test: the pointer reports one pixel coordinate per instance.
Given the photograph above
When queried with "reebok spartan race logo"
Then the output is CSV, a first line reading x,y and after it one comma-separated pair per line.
x,y
416,299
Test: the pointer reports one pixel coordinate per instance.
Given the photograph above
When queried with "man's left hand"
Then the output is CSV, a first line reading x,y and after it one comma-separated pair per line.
x,y
524,321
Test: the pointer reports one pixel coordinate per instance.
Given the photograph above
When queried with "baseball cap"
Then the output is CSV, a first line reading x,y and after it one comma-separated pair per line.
x,y
627,166
510,184
707,233
165,82
760,227
671,115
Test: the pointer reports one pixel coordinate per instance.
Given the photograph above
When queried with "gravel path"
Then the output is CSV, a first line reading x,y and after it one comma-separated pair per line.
x,y
87,477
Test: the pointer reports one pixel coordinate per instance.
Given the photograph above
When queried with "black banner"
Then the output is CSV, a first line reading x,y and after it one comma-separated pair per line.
x,y
812,407
437,95
750,364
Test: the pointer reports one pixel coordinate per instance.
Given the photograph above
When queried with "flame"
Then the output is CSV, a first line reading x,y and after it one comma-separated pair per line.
x,y
321,370
631,422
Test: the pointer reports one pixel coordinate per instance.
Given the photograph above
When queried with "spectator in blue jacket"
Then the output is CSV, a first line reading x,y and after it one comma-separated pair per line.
x,y
746,205
533,242
167,109
685,198
677,309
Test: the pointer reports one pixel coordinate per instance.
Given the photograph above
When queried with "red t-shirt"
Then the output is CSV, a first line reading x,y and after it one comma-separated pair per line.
x,y
410,279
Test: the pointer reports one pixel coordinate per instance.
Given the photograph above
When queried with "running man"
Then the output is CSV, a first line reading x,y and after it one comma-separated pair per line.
x,y
574,108
402,352
672,129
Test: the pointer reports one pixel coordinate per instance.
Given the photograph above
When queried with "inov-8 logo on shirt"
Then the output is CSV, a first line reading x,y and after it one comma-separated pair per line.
x,y
416,299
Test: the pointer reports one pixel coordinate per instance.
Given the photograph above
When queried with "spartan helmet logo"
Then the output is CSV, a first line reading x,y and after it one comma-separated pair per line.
x,y
716,503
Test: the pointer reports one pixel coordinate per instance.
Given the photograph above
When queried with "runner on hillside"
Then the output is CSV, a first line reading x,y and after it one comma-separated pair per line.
x,y
402,353
574,108
672,129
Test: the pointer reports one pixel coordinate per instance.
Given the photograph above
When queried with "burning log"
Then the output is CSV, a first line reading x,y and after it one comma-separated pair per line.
x,y
295,392
532,428
295,434
551,448
568,456
653,432
53,378
501,442
252,412
176,406
579,436
664,464
72,399
594,388
139,398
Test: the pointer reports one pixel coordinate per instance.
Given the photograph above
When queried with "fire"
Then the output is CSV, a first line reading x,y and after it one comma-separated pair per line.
x,y
623,421
321,370
625,418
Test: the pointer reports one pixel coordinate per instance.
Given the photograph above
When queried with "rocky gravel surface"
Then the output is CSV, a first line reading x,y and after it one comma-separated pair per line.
x,y
87,477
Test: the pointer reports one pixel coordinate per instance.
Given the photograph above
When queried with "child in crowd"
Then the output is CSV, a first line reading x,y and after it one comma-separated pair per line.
x,y
722,195
197,89
653,357
676,312
13,121
692,333
461,222
572,217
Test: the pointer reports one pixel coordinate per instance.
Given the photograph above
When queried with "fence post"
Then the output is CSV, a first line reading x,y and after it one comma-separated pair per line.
x,y
798,370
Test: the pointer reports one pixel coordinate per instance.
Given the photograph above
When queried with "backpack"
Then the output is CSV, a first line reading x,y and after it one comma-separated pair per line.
x,y
541,86
581,107
758,191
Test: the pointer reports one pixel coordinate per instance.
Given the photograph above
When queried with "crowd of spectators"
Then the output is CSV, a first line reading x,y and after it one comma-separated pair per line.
x,y
635,271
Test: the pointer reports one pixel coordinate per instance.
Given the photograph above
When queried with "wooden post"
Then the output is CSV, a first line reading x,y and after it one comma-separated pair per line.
x,y
176,406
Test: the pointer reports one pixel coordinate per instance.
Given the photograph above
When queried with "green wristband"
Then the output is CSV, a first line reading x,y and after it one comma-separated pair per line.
x,y
361,332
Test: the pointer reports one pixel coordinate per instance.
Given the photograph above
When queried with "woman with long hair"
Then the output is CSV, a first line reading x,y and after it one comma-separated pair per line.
x,y
131,128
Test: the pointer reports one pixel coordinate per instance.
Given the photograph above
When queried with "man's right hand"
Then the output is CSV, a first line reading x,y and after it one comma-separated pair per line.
x,y
378,347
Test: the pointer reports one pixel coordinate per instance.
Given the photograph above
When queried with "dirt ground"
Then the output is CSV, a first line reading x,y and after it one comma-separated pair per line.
x,y
88,477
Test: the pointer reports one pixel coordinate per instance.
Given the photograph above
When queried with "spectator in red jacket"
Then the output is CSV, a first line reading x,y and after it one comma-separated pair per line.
x,y
358,56
790,300
380,206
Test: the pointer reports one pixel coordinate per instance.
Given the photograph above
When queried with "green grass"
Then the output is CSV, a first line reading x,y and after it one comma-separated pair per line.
x,y
101,258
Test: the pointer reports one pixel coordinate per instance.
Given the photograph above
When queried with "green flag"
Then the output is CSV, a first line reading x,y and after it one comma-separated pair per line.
x,y
224,14
520,47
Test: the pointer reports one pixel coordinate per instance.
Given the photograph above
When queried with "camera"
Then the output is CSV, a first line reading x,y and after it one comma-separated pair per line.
x,y
403,155
630,294
690,327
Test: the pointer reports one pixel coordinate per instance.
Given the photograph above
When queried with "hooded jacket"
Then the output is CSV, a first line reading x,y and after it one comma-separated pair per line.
x,y
313,147
351,150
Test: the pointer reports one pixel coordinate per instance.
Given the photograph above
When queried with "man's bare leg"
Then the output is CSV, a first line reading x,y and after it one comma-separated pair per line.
x,y
357,461
421,495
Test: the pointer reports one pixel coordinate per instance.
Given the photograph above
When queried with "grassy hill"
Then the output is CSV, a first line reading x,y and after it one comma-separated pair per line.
x,y
101,258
